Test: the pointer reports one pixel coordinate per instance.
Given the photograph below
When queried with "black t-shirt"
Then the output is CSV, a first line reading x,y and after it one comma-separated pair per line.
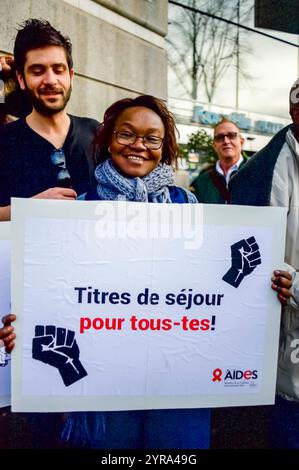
x,y
26,168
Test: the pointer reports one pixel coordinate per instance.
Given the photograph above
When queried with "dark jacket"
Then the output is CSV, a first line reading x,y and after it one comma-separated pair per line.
x,y
210,187
252,184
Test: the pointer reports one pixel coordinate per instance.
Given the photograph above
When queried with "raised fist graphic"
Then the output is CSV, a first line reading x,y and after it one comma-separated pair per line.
x,y
58,348
245,257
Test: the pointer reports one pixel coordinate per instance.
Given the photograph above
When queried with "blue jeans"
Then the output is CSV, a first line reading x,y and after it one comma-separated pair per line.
x,y
150,429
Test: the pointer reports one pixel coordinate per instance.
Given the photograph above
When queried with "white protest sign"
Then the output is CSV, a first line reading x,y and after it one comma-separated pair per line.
x,y
4,309
138,306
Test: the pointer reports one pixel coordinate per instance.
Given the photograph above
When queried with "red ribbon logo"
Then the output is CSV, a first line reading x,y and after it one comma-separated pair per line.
x,y
217,373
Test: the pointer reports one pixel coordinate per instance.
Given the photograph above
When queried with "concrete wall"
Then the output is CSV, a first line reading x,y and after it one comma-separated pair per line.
x,y
152,14
118,46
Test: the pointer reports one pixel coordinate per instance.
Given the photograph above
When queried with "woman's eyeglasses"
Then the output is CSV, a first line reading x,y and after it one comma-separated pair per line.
x,y
151,142
63,176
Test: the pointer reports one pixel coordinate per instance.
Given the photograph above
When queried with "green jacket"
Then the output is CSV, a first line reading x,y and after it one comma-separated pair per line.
x,y
208,191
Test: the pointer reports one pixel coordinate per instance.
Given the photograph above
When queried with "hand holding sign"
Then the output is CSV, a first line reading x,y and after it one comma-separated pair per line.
x,y
245,257
58,348
7,334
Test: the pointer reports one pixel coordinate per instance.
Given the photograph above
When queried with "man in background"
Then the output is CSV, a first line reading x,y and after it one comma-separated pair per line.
x,y
212,186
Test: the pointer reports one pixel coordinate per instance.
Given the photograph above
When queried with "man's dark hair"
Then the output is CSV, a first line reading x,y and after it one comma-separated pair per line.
x,y
34,33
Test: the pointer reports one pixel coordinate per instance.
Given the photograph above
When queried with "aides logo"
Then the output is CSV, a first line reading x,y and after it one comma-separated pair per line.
x,y
236,377
217,374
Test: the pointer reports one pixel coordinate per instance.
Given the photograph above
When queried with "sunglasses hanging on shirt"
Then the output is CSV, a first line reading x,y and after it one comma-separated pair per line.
x,y
63,176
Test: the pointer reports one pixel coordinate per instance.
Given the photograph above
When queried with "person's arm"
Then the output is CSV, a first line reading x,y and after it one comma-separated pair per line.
x,y
56,193
7,67
51,193
7,334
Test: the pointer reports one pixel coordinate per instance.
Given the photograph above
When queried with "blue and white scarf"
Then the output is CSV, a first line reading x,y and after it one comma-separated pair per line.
x,y
151,188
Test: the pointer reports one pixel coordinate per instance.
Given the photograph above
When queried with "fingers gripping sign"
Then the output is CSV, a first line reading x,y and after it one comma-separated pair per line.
x,y
282,283
58,348
7,335
245,257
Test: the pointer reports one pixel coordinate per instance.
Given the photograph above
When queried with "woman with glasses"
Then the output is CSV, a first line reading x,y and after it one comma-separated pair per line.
x,y
138,150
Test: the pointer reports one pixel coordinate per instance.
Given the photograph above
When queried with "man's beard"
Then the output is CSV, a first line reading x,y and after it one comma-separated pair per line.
x,y
44,109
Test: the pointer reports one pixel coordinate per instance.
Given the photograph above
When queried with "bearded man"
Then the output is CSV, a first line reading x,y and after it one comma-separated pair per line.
x,y
49,153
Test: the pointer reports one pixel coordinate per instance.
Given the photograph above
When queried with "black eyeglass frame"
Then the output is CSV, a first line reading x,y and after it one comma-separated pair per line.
x,y
116,133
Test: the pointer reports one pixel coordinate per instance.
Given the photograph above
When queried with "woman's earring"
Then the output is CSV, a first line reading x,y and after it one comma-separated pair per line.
x,y
109,149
